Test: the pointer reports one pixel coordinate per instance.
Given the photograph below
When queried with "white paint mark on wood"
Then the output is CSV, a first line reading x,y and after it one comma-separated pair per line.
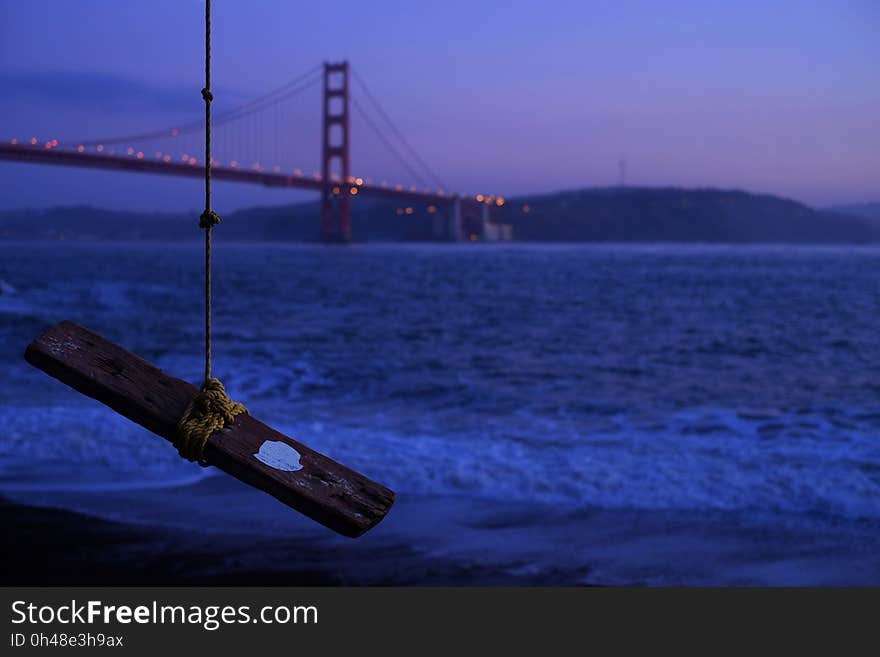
x,y
279,455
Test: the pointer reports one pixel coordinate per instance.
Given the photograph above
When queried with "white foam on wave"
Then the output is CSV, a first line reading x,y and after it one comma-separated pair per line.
x,y
703,458
712,459
7,289
102,486
15,306
82,446
11,300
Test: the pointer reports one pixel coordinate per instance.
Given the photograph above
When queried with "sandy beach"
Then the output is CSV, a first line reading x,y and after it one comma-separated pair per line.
x,y
218,531
60,548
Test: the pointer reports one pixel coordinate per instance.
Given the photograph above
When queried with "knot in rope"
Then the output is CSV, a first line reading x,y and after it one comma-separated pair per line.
x,y
209,411
209,219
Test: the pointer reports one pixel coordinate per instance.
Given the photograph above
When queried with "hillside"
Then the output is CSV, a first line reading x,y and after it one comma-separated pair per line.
x,y
865,210
588,215
682,215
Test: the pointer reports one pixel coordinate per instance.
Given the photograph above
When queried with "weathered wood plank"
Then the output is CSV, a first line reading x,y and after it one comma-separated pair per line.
x,y
324,490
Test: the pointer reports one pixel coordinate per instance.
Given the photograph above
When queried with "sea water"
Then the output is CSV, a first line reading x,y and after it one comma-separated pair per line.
x,y
646,377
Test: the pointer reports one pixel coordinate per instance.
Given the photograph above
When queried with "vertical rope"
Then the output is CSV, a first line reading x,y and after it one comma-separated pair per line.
x,y
206,94
211,409
209,218
207,305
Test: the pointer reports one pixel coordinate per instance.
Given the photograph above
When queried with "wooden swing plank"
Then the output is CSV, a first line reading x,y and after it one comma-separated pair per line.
x,y
324,490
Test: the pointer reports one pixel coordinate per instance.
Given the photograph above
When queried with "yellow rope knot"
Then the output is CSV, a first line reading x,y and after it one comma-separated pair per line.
x,y
209,411
209,219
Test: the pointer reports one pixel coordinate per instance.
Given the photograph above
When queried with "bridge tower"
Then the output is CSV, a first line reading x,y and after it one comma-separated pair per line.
x,y
335,198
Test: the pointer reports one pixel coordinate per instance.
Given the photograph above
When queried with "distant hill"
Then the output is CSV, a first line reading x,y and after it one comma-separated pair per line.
x,y
84,222
624,214
375,220
621,214
865,210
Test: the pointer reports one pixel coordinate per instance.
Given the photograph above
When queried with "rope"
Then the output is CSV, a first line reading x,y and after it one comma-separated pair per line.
x,y
211,409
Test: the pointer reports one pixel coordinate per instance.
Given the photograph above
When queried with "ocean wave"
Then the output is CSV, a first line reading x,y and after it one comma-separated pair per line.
x,y
610,377
710,458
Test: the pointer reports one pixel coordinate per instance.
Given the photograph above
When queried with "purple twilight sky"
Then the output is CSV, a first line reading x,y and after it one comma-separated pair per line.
x,y
504,97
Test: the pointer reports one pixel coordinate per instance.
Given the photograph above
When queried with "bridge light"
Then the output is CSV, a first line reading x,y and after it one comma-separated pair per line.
x,y
398,187
184,157
336,189
167,158
432,209
129,150
499,201
174,132
480,198
358,181
399,211
297,172
100,148
354,191
192,160
140,155
526,208
13,141
54,143
33,141
48,144
158,155
409,210
413,188
276,169
383,184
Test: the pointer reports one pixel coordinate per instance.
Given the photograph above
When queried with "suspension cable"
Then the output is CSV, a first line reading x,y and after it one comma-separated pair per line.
x,y
381,111
415,174
294,87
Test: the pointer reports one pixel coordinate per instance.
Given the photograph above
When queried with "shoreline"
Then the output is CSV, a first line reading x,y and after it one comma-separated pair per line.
x,y
66,548
317,245
217,532
57,547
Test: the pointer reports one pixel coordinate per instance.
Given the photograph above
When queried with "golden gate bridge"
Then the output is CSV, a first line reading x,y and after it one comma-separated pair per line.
x,y
241,134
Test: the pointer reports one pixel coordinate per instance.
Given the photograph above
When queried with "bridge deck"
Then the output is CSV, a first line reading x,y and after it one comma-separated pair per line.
x,y
60,157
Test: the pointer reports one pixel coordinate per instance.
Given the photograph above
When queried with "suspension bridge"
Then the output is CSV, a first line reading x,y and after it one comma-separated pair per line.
x,y
251,146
